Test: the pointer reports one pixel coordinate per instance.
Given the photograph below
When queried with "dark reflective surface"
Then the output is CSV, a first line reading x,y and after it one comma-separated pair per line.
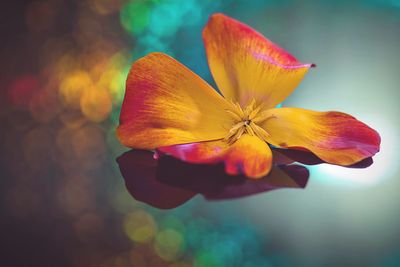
x,y
168,182
308,158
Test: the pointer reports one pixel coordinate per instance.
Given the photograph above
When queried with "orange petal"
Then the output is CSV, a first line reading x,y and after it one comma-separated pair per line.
x,y
335,137
249,155
246,65
166,104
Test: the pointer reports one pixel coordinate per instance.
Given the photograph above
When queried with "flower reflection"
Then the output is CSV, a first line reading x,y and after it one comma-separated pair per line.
x,y
168,182
288,156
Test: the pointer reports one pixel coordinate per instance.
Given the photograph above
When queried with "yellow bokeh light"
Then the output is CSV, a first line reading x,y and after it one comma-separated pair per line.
x,y
169,244
73,86
96,104
140,226
114,76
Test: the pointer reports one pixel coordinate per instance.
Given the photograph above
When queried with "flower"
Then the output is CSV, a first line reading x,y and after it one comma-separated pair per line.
x,y
169,108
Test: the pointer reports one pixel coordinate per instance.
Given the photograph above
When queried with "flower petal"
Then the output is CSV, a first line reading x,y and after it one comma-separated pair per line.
x,y
334,137
166,104
246,65
202,152
249,155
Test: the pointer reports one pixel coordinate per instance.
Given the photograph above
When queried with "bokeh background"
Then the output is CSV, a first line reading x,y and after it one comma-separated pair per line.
x,y
63,200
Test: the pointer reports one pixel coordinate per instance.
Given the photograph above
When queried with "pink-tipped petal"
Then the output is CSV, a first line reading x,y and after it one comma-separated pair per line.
x,y
246,65
166,104
249,155
334,137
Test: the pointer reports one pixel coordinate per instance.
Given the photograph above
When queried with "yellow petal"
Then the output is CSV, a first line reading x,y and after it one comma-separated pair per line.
x,y
246,65
334,137
166,104
249,156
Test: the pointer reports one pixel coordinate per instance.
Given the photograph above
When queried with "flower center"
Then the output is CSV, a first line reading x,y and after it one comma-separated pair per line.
x,y
246,121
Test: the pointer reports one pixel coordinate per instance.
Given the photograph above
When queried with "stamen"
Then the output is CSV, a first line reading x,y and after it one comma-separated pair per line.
x,y
240,110
254,113
234,115
249,108
263,117
249,129
239,134
237,126
246,120
260,132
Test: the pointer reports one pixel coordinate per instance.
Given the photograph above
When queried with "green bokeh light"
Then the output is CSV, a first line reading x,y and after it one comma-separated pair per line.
x,y
134,16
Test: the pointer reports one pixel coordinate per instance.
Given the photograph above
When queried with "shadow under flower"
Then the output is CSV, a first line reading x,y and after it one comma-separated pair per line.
x,y
168,182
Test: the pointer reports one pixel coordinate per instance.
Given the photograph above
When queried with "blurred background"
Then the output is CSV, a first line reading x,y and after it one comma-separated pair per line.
x,y
63,200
